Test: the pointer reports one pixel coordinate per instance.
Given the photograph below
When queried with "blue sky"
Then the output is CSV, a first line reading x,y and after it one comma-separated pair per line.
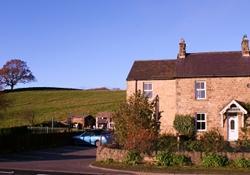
x,y
93,43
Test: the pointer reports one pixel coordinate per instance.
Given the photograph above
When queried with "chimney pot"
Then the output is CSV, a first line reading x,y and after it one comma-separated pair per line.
x,y
182,49
245,46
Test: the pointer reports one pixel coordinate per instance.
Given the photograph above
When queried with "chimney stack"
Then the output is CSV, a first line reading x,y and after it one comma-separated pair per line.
x,y
182,49
245,46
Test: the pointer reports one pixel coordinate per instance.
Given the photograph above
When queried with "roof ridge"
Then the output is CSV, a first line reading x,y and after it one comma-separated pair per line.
x,y
213,52
155,60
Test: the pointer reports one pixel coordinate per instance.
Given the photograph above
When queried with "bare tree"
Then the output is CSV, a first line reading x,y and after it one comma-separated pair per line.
x,y
15,71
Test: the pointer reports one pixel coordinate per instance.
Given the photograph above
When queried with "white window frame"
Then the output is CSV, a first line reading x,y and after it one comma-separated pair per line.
x,y
197,90
148,90
196,121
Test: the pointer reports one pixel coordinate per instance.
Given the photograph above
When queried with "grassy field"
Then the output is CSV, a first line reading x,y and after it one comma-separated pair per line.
x,y
58,104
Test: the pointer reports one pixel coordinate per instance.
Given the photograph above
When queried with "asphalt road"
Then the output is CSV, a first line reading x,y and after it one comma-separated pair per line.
x,y
63,160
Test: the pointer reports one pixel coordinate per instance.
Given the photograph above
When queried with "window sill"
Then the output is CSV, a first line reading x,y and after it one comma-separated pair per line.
x,y
200,99
204,130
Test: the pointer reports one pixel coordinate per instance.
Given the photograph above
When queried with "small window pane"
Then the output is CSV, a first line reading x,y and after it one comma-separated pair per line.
x,y
202,94
203,125
232,125
198,117
202,85
197,85
202,116
197,94
149,86
148,94
198,126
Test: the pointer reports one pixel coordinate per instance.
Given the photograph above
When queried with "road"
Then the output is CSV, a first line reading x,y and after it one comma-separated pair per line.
x,y
54,161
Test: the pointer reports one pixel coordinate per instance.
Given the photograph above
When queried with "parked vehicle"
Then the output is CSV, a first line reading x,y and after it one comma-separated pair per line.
x,y
93,137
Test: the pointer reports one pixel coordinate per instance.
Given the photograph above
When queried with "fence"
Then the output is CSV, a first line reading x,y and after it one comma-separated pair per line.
x,y
46,130
22,138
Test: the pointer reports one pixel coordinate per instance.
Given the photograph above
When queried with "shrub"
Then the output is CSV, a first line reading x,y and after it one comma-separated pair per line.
x,y
242,163
243,145
212,141
133,158
167,143
168,159
214,160
164,159
193,145
109,161
181,160
185,125
142,141
136,126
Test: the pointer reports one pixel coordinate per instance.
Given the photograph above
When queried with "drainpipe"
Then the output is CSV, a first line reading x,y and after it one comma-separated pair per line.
x,y
135,86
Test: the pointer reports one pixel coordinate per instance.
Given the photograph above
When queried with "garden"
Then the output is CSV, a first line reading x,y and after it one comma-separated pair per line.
x,y
139,146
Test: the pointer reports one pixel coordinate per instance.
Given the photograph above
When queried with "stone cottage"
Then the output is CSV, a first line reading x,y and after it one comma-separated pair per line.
x,y
214,87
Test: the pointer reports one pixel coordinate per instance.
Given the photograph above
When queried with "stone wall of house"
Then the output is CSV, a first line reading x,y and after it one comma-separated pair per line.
x,y
178,96
166,90
130,88
220,92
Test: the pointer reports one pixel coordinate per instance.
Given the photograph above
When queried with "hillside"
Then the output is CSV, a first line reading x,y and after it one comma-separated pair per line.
x,y
58,104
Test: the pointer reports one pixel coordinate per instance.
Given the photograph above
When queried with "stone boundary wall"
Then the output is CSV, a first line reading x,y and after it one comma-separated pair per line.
x,y
104,153
118,155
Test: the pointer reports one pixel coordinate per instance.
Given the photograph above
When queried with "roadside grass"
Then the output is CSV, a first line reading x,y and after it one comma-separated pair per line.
x,y
58,104
146,168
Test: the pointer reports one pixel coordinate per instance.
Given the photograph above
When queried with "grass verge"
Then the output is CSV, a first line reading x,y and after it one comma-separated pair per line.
x,y
180,170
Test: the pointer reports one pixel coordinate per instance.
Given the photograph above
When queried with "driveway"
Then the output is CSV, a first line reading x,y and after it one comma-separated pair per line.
x,y
63,160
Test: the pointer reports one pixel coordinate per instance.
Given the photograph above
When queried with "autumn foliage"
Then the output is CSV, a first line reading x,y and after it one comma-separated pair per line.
x,y
136,126
15,71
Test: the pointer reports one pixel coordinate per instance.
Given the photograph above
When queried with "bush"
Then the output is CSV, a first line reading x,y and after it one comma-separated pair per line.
x,y
133,158
185,125
214,160
164,159
109,161
136,124
169,159
167,143
181,160
193,145
142,141
243,145
212,141
242,163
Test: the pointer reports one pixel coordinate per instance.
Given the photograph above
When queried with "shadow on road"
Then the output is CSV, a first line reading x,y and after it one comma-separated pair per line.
x,y
62,153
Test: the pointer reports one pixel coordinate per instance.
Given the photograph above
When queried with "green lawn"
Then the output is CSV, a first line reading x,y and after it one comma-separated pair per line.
x,y
58,104
146,168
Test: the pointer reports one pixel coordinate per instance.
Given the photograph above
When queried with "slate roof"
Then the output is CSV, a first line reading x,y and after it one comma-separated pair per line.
x,y
206,64
152,70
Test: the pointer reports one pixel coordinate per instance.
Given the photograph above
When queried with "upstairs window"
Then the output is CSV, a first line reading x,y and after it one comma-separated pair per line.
x,y
201,122
200,90
148,90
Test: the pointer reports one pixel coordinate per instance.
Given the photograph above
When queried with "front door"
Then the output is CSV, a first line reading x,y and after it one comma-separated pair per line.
x,y
232,127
